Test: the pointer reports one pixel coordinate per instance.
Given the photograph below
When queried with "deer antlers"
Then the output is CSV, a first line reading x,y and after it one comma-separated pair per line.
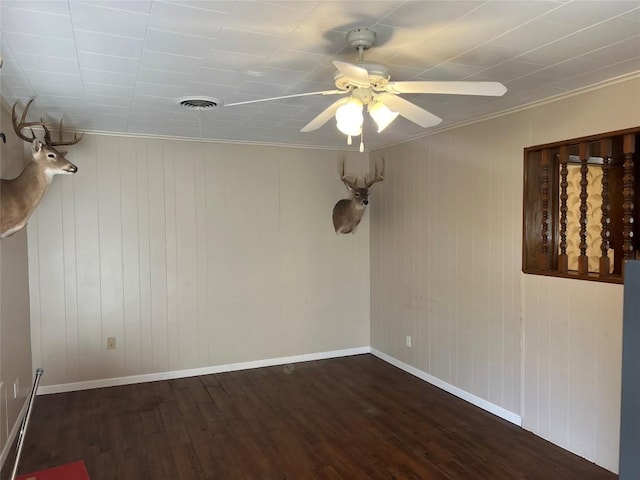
x,y
377,176
19,126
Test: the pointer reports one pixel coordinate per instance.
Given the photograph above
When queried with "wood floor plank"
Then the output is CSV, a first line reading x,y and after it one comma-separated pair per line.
x,y
340,419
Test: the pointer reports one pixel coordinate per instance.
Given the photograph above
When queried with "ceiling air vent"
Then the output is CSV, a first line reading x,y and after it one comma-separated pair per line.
x,y
199,103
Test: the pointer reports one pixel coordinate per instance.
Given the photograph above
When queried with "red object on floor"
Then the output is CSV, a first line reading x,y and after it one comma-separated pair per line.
x,y
70,471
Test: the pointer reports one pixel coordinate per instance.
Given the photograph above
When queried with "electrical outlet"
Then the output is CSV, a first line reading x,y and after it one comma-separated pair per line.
x,y
111,343
16,387
409,341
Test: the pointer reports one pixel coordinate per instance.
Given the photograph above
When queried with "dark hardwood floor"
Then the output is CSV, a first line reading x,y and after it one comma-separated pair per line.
x,y
346,418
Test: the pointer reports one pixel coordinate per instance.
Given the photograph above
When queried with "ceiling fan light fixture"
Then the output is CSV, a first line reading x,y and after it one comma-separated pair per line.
x,y
382,115
349,117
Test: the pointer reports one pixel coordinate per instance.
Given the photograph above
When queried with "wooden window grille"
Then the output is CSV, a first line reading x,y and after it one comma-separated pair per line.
x,y
581,207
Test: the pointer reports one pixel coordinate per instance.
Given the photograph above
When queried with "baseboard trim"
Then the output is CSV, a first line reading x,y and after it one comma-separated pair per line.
x,y
270,362
458,392
193,372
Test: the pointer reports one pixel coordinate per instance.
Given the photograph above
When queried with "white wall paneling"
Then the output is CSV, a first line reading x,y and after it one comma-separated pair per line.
x,y
193,255
446,269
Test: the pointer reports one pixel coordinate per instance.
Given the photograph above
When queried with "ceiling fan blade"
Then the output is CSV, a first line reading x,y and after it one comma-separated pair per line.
x,y
408,110
326,92
358,76
324,116
493,89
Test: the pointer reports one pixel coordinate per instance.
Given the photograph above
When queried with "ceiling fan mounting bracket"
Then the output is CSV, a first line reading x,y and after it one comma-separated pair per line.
x,y
361,38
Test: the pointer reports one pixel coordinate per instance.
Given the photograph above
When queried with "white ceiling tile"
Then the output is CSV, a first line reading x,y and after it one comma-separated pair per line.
x,y
186,20
57,89
10,80
435,16
533,34
222,6
99,99
40,45
633,15
584,13
169,62
507,71
44,6
135,6
158,90
72,80
36,23
239,50
552,53
106,109
176,43
605,33
569,68
221,92
147,75
627,49
221,77
92,42
265,18
446,71
94,18
245,42
108,90
95,61
108,78
262,90
45,63
231,61
278,76
306,38
60,101
487,56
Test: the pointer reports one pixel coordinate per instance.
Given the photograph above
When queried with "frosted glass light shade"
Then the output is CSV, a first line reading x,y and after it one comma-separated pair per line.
x,y
349,117
382,115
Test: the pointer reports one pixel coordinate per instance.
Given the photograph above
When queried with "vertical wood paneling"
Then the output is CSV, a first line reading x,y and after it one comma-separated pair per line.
x,y
217,261
583,297
608,385
144,255
110,252
158,274
201,253
536,346
51,291
558,386
173,341
131,261
177,249
186,254
90,345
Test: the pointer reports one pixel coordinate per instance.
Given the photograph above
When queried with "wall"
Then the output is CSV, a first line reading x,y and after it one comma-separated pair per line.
x,y
15,345
446,269
192,255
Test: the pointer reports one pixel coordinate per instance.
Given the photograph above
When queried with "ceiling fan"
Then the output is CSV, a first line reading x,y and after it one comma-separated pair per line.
x,y
369,84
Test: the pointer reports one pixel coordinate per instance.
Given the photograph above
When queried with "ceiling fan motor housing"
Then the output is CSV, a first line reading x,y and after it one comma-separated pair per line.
x,y
378,76
361,38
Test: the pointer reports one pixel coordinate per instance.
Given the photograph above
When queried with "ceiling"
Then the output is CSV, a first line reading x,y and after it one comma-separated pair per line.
x,y
119,66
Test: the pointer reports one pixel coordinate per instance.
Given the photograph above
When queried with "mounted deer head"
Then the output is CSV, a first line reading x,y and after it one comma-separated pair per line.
x,y
348,212
20,196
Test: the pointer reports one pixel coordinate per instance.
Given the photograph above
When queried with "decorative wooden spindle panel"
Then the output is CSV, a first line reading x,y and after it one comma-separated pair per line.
x,y
583,260
563,260
605,232
628,194
543,257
